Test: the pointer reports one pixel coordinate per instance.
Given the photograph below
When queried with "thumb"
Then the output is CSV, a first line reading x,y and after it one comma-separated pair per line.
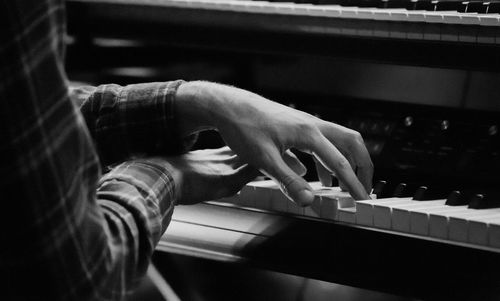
x,y
292,185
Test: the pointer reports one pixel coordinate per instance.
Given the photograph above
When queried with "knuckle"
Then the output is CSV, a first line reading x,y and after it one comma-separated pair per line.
x,y
357,138
307,128
342,164
288,180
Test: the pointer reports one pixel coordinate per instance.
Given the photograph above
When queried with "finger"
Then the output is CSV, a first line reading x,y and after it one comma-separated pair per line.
x,y
352,143
294,163
333,159
293,185
365,175
325,176
342,185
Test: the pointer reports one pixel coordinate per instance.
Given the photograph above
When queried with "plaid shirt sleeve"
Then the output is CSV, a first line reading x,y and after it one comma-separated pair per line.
x,y
66,231
133,120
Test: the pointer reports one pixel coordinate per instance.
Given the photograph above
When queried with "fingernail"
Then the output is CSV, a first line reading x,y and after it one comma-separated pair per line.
x,y
306,197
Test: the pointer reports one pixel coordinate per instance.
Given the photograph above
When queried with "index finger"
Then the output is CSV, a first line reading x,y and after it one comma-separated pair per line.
x,y
333,159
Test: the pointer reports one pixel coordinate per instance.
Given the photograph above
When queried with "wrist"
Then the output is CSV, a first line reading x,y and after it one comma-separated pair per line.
x,y
194,106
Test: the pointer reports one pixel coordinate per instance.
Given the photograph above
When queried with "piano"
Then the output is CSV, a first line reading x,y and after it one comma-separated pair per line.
x,y
420,81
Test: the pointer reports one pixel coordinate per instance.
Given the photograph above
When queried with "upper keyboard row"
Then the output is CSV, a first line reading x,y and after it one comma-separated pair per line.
x,y
449,12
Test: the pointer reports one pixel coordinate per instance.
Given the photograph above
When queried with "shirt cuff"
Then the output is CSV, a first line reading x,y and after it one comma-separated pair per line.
x,y
183,144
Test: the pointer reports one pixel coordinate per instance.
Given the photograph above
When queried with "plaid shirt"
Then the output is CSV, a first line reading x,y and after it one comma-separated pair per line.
x,y
66,230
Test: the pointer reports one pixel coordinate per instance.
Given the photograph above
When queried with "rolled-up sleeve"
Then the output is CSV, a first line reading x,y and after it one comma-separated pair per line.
x,y
132,120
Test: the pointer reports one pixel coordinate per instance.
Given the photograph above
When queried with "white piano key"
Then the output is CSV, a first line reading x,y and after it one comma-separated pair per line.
x,y
324,11
347,215
328,208
458,225
439,222
494,235
314,210
265,193
401,213
247,196
295,209
364,210
451,17
284,7
382,213
416,16
348,12
280,202
419,218
479,229
489,20
331,199
469,18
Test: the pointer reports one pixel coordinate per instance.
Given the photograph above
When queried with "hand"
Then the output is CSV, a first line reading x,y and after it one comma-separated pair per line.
x,y
209,174
261,131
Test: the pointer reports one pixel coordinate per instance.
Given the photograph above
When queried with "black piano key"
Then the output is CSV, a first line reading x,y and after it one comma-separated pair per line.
x,y
424,5
408,4
456,199
379,188
399,191
475,7
334,2
493,8
420,193
368,3
476,202
485,201
449,5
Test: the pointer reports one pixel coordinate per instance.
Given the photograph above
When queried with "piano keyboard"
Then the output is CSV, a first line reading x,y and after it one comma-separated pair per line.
x,y
440,218
433,20
431,13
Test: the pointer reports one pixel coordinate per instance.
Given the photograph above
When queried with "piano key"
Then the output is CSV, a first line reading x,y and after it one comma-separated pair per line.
x,y
314,210
490,200
455,198
493,8
479,229
378,188
449,6
419,194
247,196
295,209
331,200
364,210
458,225
347,215
494,235
439,222
382,212
328,208
264,193
419,217
474,7
401,213
399,190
